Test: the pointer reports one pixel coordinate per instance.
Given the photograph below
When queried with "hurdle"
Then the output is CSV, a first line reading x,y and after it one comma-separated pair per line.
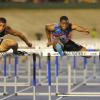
x,y
74,71
34,94
18,84
70,93
94,70
54,71
49,94
6,84
85,66
14,84
94,74
70,90
5,77
69,77
27,70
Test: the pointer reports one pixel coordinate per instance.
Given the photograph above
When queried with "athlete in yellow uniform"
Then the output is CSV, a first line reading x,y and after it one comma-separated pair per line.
x,y
6,44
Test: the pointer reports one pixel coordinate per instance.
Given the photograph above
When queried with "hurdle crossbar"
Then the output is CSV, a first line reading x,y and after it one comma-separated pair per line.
x,y
44,52
70,90
13,84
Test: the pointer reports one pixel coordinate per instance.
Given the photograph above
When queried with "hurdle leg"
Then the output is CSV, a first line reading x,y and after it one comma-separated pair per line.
x,y
57,76
57,85
15,74
49,91
15,86
94,71
85,70
34,76
74,77
5,85
1,65
29,69
69,79
40,69
49,77
9,70
5,75
17,58
9,66
85,75
94,67
40,76
34,93
74,70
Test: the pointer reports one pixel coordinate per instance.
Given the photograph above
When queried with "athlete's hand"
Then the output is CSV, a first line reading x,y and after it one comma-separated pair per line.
x,y
87,31
49,44
29,44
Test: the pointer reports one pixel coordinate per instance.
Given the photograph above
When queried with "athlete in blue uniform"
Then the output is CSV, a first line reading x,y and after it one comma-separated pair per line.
x,y
59,35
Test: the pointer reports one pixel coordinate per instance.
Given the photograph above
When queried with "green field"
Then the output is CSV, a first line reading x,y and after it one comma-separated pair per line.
x,y
31,21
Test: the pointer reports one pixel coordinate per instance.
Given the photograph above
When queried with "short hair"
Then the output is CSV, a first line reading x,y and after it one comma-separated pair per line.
x,y
3,20
64,18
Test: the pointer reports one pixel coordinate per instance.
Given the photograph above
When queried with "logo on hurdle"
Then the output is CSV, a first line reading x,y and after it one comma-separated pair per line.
x,y
75,53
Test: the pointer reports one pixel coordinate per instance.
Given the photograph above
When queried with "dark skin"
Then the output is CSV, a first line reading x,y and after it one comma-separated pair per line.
x,y
21,36
63,25
13,32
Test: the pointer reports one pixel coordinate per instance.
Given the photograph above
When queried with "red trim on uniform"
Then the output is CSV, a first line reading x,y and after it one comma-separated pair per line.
x,y
57,35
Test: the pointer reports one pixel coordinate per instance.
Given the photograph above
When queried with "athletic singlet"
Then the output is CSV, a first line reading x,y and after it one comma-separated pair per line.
x,y
2,35
58,33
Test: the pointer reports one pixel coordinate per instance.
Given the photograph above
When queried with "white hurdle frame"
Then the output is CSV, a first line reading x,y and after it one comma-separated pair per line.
x,y
94,74
70,93
70,90
15,84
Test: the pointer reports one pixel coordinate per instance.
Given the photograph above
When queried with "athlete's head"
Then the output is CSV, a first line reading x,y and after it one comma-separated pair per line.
x,y
64,22
2,23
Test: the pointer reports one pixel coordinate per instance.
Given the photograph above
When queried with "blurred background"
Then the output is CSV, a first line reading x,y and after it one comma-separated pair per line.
x,y
57,1
31,16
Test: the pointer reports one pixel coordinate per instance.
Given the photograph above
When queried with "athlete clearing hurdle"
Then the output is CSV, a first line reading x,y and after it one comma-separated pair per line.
x,y
6,44
59,35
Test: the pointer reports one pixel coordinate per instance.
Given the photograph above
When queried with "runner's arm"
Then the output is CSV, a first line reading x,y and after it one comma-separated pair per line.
x,y
49,29
20,35
80,28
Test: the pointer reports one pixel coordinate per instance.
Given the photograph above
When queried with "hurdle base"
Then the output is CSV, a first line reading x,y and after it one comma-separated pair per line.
x,y
57,94
54,84
17,84
16,94
5,94
74,84
37,94
94,77
84,84
93,84
80,94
